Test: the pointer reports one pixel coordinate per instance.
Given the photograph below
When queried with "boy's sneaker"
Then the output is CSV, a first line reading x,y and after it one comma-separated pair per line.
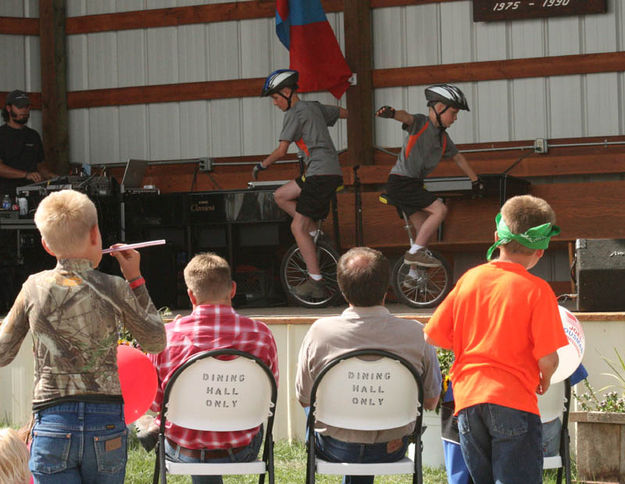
x,y
422,257
409,283
311,288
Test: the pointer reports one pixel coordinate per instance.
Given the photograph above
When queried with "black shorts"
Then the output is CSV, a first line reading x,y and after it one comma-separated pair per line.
x,y
317,193
408,193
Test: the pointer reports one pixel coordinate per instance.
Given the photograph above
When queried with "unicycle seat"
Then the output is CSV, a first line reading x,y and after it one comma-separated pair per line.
x,y
386,199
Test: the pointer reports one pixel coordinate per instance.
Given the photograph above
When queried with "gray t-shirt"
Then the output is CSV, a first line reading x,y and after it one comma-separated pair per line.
x,y
362,328
422,149
306,124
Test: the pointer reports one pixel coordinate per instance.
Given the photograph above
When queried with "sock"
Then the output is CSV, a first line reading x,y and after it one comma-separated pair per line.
x,y
414,248
315,277
412,272
313,233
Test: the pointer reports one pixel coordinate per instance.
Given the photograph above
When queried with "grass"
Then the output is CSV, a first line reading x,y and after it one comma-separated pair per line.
x,y
290,464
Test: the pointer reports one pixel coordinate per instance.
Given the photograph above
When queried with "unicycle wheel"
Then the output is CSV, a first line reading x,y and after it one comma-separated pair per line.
x,y
424,287
293,272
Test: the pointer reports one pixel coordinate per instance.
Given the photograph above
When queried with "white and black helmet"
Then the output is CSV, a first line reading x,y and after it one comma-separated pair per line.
x,y
278,80
447,94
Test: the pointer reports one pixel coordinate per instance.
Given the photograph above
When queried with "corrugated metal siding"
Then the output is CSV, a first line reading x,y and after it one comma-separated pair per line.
x,y
566,106
190,53
417,35
21,69
19,8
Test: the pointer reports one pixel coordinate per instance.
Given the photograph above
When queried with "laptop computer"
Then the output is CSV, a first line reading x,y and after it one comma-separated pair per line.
x,y
133,177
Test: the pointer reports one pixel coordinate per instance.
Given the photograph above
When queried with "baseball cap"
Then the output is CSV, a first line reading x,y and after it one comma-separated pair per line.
x,y
18,98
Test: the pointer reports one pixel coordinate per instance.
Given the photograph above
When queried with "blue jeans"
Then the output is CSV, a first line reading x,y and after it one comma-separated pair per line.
x,y
334,450
551,437
79,442
501,445
457,472
248,454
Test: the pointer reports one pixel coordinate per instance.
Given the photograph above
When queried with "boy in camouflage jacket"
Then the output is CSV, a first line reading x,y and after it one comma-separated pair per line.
x,y
73,313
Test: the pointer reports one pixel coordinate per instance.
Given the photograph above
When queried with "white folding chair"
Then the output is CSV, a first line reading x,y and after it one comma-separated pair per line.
x,y
210,393
555,404
337,399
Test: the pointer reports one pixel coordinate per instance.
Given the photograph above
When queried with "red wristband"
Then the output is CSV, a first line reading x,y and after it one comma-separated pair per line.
x,y
139,281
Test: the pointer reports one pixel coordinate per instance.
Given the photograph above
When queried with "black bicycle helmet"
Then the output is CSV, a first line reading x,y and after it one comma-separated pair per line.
x,y
278,80
447,94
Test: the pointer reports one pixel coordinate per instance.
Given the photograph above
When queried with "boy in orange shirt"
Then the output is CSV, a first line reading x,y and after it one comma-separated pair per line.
x,y
504,327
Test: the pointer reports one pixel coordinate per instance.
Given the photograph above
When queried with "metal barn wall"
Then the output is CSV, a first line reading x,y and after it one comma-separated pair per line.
x,y
190,53
429,34
21,68
504,110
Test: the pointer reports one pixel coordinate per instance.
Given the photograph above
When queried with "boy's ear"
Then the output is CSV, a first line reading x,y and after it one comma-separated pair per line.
x,y
496,236
94,234
191,297
233,289
46,248
540,253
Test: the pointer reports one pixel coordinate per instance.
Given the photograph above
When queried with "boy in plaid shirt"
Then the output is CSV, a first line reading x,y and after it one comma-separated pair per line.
x,y
212,325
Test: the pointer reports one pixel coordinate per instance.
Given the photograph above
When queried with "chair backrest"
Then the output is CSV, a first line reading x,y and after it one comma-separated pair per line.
x,y
366,394
552,404
210,393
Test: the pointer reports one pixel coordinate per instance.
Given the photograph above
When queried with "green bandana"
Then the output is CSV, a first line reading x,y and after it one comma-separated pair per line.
x,y
534,238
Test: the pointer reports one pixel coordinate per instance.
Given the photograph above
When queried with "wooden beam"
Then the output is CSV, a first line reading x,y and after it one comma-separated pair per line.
x,y
358,53
505,69
189,91
583,210
19,26
477,71
562,162
54,85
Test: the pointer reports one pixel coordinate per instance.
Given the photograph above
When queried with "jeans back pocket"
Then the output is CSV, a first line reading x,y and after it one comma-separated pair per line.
x,y
111,451
49,451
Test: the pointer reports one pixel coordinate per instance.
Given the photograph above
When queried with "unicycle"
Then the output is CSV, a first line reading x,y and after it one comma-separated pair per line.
x,y
293,272
414,285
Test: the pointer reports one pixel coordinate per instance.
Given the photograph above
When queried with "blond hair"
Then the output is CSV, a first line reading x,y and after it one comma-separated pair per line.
x,y
208,277
13,458
64,220
523,212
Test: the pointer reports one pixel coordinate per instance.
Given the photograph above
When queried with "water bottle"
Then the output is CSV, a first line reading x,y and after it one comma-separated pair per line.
x,y
23,204
6,203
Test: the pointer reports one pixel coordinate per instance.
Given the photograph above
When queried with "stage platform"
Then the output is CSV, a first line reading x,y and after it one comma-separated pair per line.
x,y
300,315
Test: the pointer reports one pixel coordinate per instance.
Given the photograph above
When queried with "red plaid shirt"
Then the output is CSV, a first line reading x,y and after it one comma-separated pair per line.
x,y
211,328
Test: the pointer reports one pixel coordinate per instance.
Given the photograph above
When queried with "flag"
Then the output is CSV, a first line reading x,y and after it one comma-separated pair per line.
x,y
302,26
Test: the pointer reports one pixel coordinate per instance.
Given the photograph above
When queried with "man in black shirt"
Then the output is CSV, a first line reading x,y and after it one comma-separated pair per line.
x,y
21,150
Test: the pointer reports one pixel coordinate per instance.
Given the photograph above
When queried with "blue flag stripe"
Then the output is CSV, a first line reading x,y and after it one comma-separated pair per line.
x,y
283,30
304,12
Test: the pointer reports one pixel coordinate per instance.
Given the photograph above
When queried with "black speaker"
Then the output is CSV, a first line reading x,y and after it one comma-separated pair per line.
x,y
158,267
600,272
